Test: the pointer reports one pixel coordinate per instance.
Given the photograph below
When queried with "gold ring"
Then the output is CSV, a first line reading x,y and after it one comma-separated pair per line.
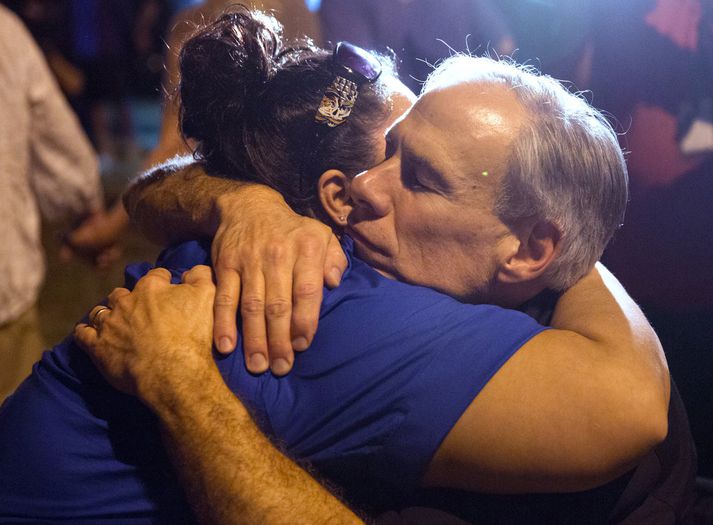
x,y
95,317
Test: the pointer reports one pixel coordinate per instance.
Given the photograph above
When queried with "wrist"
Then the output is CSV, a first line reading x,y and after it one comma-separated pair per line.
x,y
247,198
173,393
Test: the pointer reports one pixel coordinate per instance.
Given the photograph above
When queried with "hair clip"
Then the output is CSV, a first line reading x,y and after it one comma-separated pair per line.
x,y
337,102
353,67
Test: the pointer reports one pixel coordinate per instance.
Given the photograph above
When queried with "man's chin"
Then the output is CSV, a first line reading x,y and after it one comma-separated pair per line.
x,y
373,256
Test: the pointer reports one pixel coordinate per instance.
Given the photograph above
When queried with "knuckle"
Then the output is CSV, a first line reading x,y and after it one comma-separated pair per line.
x,y
306,328
278,307
311,247
308,290
224,262
280,349
207,287
122,300
224,300
253,305
201,269
152,278
305,322
255,343
275,251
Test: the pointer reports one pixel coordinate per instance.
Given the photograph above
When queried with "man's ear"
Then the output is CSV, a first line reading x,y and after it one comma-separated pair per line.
x,y
536,247
333,187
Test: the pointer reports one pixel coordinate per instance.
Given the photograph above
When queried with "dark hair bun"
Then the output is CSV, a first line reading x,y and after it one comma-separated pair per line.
x,y
231,60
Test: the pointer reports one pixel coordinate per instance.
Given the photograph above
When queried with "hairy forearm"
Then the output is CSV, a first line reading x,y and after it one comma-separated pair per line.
x,y
177,201
232,474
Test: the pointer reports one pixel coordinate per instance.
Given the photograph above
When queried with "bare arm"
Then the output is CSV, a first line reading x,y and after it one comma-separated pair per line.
x,y
176,201
575,407
231,472
269,258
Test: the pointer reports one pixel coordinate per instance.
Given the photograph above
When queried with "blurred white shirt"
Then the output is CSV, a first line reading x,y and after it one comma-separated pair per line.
x,y
47,165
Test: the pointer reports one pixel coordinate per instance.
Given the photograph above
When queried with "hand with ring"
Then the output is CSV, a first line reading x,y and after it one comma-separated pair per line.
x,y
155,337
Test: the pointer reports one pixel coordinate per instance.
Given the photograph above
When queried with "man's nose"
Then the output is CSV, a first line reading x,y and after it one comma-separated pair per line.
x,y
369,193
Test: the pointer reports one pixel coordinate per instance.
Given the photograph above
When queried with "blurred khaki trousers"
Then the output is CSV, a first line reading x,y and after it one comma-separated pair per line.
x,y
21,346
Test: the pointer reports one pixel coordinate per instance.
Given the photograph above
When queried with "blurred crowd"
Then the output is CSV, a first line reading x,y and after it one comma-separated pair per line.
x,y
647,63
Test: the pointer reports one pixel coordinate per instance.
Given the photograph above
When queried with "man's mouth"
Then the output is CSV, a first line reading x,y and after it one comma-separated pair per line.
x,y
365,245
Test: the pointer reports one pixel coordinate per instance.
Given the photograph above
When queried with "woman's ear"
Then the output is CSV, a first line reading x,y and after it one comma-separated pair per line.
x,y
333,187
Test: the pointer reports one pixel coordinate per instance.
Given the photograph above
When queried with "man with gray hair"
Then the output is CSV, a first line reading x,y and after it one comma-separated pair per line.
x,y
562,172
446,209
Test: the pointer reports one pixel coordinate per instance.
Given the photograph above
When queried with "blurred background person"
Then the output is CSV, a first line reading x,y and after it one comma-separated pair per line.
x,y
47,166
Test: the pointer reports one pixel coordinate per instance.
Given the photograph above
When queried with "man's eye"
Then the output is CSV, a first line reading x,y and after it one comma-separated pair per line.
x,y
412,183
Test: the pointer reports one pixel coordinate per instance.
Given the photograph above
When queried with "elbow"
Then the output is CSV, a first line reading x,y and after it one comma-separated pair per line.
x,y
645,415
653,410
636,428
624,451
646,428
654,427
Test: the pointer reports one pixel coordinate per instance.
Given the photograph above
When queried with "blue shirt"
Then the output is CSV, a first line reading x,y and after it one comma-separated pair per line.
x,y
391,369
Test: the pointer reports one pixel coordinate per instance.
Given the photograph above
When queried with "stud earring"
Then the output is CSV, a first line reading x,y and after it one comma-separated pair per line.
x,y
342,218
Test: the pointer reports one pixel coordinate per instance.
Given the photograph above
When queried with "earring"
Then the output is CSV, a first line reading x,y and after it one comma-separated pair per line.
x,y
342,218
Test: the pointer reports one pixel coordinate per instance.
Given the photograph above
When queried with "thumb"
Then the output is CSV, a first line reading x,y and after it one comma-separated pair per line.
x,y
335,263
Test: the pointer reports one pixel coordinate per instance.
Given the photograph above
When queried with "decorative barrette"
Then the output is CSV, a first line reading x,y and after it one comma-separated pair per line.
x,y
353,67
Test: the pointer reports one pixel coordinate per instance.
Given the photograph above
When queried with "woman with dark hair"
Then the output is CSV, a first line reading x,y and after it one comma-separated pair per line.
x,y
261,111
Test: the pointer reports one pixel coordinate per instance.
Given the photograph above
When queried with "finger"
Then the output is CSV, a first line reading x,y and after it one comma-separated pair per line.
x,y
225,307
115,295
335,263
154,277
86,336
278,315
307,297
98,315
200,274
252,311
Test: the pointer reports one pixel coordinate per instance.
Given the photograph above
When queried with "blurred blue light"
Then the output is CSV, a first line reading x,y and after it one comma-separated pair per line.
x,y
313,5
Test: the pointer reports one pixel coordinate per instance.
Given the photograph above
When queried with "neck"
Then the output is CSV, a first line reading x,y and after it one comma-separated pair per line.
x,y
513,295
